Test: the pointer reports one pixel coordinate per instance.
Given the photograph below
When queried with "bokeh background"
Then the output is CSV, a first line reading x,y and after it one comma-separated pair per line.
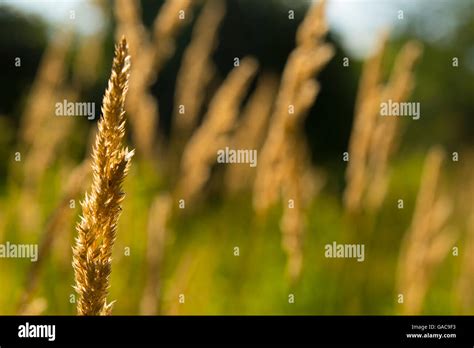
x,y
197,258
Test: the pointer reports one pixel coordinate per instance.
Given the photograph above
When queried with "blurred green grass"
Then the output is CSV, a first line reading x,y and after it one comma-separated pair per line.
x,y
200,263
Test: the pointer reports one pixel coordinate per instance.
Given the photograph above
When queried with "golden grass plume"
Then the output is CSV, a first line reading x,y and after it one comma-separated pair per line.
x,y
41,97
251,131
298,90
374,139
428,240
196,70
141,106
284,167
149,53
168,23
92,254
215,132
385,138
